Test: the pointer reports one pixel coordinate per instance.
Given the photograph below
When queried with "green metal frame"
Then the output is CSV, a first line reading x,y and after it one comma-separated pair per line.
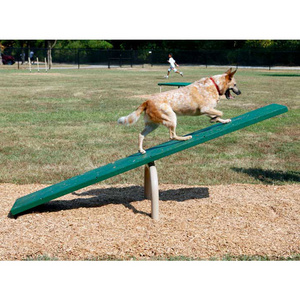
x,y
136,160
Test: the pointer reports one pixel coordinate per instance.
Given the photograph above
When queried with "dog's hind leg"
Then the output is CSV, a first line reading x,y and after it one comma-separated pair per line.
x,y
149,127
171,124
215,116
174,136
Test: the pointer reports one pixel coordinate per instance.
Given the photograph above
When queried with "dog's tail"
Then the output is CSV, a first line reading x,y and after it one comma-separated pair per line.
x,y
133,117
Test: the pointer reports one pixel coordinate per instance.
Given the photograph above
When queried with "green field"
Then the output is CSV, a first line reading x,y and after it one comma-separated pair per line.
x,y
62,123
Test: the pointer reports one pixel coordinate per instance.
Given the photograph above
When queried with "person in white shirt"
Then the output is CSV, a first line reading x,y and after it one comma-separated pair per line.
x,y
173,66
31,56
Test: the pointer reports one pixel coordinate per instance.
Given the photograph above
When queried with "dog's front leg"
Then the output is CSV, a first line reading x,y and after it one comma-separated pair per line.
x,y
218,119
215,116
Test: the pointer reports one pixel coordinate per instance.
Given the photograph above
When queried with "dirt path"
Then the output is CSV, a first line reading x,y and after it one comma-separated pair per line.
x,y
199,222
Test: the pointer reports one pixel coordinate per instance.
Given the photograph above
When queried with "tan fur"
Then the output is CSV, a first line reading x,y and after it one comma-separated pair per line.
x,y
198,98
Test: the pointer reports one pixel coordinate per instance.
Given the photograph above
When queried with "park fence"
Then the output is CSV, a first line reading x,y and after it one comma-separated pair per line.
x,y
119,58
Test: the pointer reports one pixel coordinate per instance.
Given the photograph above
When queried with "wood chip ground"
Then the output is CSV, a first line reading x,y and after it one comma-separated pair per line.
x,y
114,222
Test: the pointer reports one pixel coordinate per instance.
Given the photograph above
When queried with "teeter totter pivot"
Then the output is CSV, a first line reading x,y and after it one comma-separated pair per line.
x,y
136,160
151,190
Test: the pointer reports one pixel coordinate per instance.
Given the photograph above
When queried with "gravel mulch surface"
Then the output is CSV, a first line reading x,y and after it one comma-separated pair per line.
x,y
105,221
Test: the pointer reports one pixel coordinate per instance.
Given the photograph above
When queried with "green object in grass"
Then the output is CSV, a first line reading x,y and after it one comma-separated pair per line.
x,y
175,83
136,160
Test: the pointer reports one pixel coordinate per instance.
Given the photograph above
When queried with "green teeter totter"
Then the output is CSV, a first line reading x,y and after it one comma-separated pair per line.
x,y
136,160
178,84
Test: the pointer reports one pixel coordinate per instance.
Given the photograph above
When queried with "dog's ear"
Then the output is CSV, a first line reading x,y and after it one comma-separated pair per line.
x,y
228,71
230,74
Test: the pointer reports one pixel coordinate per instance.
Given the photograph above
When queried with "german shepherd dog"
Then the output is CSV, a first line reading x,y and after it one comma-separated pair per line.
x,y
198,98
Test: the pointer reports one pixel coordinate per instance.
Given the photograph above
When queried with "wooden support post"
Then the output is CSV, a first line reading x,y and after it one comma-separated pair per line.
x,y
151,189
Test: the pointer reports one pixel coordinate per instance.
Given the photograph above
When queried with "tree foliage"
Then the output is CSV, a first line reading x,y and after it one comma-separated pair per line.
x,y
84,44
166,45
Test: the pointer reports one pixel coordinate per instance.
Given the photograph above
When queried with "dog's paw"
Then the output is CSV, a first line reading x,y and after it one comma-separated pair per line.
x,y
188,137
142,151
227,121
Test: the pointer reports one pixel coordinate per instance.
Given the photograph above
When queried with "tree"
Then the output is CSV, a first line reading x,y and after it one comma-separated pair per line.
x,y
83,44
50,45
1,48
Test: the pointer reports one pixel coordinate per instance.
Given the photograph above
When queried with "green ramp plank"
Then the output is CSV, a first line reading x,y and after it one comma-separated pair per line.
x,y
136,160
175,83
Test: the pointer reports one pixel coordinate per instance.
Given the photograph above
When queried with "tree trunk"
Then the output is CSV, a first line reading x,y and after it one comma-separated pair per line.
x,y
23,56
49,58
50,45
1,63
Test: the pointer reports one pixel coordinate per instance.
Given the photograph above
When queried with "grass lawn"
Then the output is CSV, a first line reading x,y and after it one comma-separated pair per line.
x,y
62,123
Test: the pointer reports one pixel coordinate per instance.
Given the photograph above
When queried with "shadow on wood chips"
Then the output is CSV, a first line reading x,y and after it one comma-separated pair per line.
x,y
122,195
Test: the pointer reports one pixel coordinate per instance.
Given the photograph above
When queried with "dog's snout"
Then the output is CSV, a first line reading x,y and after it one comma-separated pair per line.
x,y
236,90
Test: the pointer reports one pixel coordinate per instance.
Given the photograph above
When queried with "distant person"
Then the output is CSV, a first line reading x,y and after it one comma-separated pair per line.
x,y
31,56
22,55
173,66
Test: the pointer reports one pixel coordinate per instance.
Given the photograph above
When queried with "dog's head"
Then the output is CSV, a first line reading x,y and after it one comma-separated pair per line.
x,y
231,84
